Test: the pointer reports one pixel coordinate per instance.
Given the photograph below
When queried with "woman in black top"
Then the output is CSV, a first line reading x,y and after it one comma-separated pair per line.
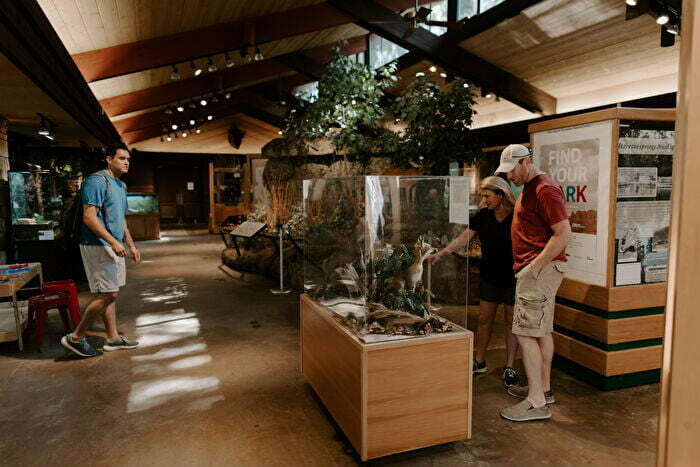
x,y
497,285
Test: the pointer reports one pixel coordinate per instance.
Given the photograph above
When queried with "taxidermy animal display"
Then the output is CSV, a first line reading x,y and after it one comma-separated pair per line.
x,y
393,288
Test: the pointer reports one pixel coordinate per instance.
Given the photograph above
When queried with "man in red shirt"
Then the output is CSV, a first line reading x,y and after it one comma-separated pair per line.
x,y
540,232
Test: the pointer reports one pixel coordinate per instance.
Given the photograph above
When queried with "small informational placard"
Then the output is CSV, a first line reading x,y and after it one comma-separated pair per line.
x,y
46,235
459,200
628,273
190,186
248,229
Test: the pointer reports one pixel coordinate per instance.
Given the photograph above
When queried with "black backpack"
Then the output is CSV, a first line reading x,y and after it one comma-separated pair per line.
x,y
74,213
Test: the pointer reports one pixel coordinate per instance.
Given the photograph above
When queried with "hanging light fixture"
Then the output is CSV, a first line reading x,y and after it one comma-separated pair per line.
x,y
175,75
195,69
211,66
245,55
180,107
229,60
258,55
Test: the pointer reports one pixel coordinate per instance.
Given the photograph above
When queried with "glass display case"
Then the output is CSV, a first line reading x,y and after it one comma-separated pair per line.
x,y
35,198
142,203
366,245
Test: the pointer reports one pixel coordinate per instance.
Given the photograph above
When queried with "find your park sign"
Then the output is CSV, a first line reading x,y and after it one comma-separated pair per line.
x,y
578,159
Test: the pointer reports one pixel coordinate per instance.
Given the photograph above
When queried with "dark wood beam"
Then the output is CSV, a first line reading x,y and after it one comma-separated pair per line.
x,y
240,76
191,88
29,41
182,47
472,26
452,58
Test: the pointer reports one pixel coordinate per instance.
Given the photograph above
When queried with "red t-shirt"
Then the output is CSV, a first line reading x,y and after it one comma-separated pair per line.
x,y
539,206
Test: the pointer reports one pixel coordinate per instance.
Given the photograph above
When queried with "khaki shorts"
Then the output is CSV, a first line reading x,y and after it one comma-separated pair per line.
x,y
533,314
105,271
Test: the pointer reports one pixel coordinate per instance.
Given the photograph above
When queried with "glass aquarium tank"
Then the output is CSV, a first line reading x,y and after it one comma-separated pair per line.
x,y
366,247
142,203
35,198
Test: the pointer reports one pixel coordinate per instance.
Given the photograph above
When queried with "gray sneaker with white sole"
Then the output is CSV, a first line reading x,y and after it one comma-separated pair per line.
x,y
120,343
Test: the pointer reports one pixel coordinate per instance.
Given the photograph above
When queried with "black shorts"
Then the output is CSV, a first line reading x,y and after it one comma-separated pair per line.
x,y
489,292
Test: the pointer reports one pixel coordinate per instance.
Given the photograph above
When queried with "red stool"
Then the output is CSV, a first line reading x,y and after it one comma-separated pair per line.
x,y
39,307
66,286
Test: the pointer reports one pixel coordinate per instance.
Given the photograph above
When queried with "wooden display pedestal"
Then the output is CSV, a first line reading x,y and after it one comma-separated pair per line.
x,y
388,397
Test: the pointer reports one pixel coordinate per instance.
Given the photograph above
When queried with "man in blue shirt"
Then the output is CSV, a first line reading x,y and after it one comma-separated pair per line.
x,y
102,247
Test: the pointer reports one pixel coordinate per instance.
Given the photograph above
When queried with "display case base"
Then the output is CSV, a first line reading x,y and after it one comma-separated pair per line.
x,y
388,397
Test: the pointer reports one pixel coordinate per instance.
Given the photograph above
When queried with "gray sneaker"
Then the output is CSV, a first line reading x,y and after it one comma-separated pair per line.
x,y
120,343
521,392
524,412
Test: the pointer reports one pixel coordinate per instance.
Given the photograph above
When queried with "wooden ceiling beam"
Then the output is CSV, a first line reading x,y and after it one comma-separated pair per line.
x,y
239,76
191,88
452,58
472,26
182,47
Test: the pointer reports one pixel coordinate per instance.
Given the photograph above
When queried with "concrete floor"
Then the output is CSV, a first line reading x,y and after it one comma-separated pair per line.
x,y
216,382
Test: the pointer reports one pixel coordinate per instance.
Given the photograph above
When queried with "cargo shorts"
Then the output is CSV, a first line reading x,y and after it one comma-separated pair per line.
x,y
533,314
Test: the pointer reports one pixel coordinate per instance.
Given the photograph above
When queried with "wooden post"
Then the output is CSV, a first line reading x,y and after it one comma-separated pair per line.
x,y
679,422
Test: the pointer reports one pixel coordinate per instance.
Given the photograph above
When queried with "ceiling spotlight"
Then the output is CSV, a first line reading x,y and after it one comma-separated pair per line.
x,y
227,95
673,29
173,126
175,75
420,74
169,138
432,68
486,94
197,130
47,128
662,19
443,75
258,55
631,2
195,69
210,117
180,108
203,102
465,85
168,111
184,134
283,102
229,60
245,55
279,132
192,122
211,66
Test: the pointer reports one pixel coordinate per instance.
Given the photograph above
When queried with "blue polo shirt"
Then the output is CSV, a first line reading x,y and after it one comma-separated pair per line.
x,y
96,192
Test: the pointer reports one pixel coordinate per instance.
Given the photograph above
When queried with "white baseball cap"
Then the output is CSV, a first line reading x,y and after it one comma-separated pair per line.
x,y
510,157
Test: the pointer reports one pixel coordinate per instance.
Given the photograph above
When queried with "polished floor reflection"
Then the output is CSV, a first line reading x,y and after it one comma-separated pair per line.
x,y
216,382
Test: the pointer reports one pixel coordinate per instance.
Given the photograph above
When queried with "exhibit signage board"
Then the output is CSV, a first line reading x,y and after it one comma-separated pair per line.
x,y
578,159
645,163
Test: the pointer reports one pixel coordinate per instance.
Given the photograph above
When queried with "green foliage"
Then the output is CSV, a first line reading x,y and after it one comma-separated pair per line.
x,y
437,125
351,109
348,108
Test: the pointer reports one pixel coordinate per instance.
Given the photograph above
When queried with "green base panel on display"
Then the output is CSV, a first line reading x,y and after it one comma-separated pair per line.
x,y
606,383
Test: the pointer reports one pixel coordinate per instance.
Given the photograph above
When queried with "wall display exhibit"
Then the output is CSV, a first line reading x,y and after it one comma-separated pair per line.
x,y
578,159
366,243
260,194
644,179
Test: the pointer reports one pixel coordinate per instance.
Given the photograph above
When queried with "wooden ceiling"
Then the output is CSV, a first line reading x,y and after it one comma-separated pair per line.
x,y
566,54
